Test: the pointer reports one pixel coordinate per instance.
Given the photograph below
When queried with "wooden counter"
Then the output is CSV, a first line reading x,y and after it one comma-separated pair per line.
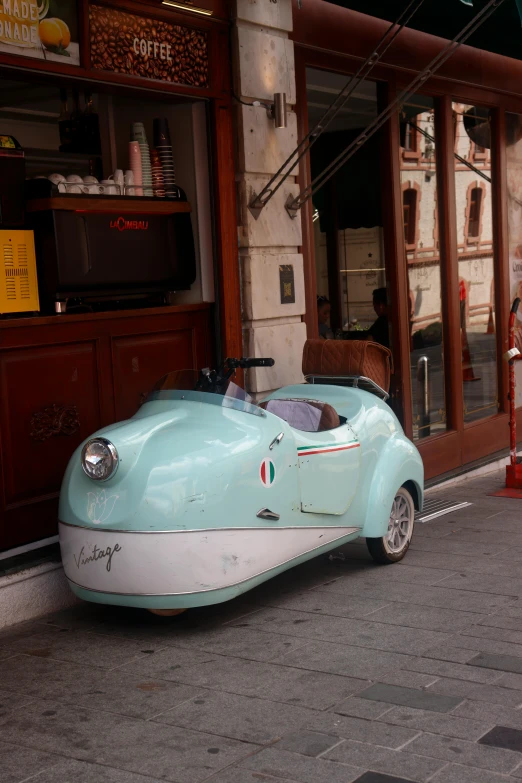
x,y
62,378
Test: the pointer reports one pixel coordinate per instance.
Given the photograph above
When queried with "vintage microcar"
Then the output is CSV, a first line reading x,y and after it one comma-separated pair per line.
x,y
202,495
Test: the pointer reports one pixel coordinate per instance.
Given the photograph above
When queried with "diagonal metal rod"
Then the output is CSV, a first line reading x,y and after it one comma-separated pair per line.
x,y
258,201
294,204
455,154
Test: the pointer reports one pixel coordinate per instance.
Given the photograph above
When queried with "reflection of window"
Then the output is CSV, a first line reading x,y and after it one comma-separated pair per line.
x,y
410,140
475,203
411,149
409,206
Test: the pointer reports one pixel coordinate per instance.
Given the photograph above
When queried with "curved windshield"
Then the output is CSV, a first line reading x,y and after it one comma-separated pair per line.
x,y
203,386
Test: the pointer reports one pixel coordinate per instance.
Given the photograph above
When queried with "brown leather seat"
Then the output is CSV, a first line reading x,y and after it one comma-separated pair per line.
x,y
304,415
337,358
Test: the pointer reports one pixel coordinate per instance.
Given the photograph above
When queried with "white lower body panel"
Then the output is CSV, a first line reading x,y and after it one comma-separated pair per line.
x,y
184,562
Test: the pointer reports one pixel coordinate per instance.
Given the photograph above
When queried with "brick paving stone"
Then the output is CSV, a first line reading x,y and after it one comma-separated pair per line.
x,y
344,659
248,678
379,777
236,775
239,717
332,604
11,701
495,646
410,697
244,642
430,618
391,762
456,671
448,725
138,746
17,763
407,679
423,595
361,708
304,769
116,691
491,713
308,743
455,773
503,737
81,647
460,751
361,730
499,634
473,690
68,770
362,633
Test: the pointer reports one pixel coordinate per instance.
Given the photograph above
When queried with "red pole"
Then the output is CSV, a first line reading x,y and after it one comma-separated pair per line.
x,y
512,401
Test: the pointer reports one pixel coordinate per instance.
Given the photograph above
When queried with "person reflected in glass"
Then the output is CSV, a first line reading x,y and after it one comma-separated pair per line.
x,y
379,331
323,318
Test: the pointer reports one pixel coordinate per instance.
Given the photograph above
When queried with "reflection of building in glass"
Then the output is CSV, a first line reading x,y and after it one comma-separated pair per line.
x,y
473,222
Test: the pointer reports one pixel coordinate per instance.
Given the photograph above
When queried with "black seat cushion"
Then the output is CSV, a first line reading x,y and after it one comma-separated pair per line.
x,y
304,415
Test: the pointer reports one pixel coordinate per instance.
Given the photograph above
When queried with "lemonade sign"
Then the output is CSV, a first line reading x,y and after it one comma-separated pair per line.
x,y
46,29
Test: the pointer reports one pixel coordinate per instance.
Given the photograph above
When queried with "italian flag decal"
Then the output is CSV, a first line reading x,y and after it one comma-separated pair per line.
x,y
267,472
307,451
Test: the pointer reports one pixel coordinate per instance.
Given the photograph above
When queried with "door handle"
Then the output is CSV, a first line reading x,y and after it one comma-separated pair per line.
x,y
277,440
265,513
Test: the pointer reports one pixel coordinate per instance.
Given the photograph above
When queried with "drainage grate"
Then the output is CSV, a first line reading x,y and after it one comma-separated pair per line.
x,y
438,508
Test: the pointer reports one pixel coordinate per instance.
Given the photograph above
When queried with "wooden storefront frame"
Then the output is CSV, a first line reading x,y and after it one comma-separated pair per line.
x,y
33,516
470,76
221,137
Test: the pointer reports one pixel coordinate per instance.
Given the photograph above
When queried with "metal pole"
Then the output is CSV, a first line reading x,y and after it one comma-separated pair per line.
x,y
423,392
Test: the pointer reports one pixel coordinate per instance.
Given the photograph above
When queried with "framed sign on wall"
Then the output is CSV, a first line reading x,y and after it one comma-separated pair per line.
x,y
153,49
42,29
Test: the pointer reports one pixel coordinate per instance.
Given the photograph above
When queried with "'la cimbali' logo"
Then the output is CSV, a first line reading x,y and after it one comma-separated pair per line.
x,y
122,224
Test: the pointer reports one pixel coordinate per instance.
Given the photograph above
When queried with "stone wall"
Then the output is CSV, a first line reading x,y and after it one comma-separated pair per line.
x,y
264,65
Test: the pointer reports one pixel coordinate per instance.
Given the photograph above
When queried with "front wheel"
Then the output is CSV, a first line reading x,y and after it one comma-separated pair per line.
x,y
393,546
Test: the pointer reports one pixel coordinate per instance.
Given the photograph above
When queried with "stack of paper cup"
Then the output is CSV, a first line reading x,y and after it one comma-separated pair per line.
x,y
138,134
158,185
163,145
135,166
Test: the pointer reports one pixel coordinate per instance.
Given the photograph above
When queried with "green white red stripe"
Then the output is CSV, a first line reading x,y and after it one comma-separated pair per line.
x,y
267,472
306,451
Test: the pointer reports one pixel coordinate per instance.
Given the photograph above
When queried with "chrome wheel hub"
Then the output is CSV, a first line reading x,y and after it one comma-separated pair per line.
x,y
400,526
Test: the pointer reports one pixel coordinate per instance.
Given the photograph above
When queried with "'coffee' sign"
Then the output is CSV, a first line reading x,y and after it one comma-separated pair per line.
x,y
149,48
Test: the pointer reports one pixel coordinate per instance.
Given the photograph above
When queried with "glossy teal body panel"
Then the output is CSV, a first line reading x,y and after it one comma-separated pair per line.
x,y
387,459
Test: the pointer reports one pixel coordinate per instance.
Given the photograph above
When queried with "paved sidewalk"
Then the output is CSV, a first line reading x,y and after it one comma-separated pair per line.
x,y
334,672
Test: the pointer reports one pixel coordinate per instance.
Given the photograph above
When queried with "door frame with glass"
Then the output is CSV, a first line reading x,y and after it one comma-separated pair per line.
x,y
461,443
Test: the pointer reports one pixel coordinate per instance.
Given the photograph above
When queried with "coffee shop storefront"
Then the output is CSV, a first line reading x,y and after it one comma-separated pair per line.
x,y
136,262
429,207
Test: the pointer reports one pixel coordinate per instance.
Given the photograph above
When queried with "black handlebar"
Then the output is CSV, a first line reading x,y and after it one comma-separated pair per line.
x,y
515,305
245,363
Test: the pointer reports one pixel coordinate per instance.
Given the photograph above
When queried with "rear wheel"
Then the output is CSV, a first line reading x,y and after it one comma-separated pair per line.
x,y
393,546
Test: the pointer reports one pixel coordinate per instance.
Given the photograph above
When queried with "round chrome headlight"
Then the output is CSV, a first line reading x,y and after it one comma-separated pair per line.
x,y
99,459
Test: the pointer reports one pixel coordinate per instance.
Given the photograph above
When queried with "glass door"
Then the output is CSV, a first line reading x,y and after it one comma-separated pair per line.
x,y
418,174
476,260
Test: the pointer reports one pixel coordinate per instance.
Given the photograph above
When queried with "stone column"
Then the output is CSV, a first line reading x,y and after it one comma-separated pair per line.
x,y
264,65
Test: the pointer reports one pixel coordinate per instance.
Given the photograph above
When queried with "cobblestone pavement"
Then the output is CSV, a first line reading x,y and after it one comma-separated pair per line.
x,y
335,671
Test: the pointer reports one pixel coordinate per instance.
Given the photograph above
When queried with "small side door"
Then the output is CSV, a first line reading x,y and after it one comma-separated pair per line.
x,y
329,468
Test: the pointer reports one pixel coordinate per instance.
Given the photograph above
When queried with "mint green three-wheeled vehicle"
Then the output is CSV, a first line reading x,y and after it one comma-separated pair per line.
x,y
202,495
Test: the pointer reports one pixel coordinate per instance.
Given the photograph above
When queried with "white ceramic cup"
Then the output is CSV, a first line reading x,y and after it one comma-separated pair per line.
x,y
75,179
90,180
92,190
109,188
74,189
56,178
